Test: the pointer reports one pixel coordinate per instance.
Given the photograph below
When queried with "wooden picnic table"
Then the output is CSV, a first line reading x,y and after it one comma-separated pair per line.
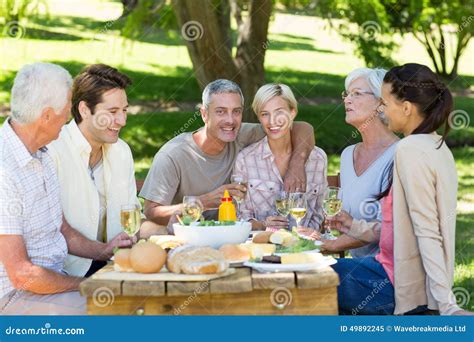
x,y
246,292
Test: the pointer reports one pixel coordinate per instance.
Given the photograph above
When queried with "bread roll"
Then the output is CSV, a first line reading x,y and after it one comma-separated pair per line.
x,y
301,258
147,257
235,253
263,237
196,260
122,260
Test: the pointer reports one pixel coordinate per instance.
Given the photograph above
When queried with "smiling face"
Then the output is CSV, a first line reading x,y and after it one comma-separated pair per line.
x,y
223,117
110,115
393,109
276,117
360,105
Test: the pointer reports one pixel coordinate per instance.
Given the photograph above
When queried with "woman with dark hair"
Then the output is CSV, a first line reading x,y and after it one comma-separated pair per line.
x,y
414,269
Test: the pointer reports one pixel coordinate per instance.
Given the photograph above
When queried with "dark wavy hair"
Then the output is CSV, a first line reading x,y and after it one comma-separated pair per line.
x,y
93,81
419,85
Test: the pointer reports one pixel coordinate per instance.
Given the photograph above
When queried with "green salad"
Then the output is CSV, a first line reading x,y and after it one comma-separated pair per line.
x,y
216,223
302,245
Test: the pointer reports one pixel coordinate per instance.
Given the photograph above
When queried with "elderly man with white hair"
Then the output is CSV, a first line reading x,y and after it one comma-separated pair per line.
x,y
365,166
34,236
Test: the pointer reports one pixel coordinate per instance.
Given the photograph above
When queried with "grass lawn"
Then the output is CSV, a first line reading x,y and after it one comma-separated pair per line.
x,y
77,33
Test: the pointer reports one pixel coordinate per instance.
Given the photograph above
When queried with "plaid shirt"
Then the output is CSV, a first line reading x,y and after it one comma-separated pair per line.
x,y
257,164
30,204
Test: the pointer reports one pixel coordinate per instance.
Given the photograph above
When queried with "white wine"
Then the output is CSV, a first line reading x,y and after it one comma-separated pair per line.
x,y
282,206
298,213
130,220
239,199
191,212
332,206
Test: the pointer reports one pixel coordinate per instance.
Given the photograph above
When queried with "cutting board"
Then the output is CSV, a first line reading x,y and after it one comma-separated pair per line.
x,y
164,275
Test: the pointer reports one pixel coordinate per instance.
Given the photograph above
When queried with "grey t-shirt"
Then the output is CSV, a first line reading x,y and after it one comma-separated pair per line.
x,y
181,168
358,192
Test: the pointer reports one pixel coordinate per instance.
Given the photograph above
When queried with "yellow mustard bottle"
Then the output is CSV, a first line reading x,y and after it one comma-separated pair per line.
x,y
227,208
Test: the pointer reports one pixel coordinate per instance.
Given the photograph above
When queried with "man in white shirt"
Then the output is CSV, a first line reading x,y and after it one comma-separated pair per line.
x,y
34,235
95,167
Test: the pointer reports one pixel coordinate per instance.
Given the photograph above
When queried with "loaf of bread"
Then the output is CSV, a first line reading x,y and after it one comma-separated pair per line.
x,y
122,260
196,260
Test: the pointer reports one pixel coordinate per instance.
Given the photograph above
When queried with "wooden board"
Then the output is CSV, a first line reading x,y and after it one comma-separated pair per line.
x,y
110,274
324,277
262,281
258,302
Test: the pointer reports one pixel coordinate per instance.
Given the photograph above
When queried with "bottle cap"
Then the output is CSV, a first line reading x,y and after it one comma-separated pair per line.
x,y
226,197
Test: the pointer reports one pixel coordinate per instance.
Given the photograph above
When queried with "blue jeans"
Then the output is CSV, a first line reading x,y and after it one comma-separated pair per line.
x,y
365,288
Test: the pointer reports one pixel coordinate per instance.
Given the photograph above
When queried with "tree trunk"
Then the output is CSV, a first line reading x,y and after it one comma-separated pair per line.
x,y
462,41
209,48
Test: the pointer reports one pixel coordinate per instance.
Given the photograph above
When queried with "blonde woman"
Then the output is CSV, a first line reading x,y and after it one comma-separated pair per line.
x,y
265,163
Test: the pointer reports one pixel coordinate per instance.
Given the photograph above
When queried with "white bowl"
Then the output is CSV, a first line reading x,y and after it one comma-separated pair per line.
x,y
213,236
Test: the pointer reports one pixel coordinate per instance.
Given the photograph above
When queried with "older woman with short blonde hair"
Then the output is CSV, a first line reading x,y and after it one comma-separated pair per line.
x,y
265,163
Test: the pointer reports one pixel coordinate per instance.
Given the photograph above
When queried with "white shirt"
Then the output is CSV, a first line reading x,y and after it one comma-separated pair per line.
x,y
79,196
30,204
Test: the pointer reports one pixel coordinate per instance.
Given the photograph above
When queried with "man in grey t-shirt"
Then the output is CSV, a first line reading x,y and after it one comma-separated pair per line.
x,y
200,163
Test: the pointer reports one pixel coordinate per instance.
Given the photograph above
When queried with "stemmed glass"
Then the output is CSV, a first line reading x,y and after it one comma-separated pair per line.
x,y
192,209
332,205
130,218
241,180
298,206
282,203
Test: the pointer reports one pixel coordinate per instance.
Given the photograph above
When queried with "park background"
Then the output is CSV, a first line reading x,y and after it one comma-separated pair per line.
x,y
309,45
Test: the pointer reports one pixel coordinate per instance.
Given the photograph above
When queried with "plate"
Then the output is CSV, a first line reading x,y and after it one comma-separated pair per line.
x,y
271,268
316,250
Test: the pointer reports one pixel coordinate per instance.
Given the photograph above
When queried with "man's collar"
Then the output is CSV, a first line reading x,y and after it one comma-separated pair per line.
x,y
21,153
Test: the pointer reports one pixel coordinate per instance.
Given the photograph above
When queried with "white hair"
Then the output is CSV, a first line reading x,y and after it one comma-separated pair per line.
x,y
374,78
38,86
220,86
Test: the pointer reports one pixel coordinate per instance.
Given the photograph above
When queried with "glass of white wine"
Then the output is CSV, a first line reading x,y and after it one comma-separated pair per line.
x,y
192,209
332,205
130,218
298,206
241,180
282,203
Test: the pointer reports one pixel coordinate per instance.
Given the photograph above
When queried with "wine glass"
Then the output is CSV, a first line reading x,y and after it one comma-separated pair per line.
x,y
282,203
241,180
192,209
130,218
298,206
332,205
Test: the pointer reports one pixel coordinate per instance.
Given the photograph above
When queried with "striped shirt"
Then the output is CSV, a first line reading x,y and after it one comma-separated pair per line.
x,y
30,204
257,164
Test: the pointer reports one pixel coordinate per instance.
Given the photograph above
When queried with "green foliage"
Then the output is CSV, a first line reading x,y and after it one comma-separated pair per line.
x,y
149,16
444,28
366,24
15,10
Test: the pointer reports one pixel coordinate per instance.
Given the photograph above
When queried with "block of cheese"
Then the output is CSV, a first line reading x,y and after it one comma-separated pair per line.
x,y
301,258
258,250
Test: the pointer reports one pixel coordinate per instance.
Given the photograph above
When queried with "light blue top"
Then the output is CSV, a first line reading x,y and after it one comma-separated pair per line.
x,y
358,192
